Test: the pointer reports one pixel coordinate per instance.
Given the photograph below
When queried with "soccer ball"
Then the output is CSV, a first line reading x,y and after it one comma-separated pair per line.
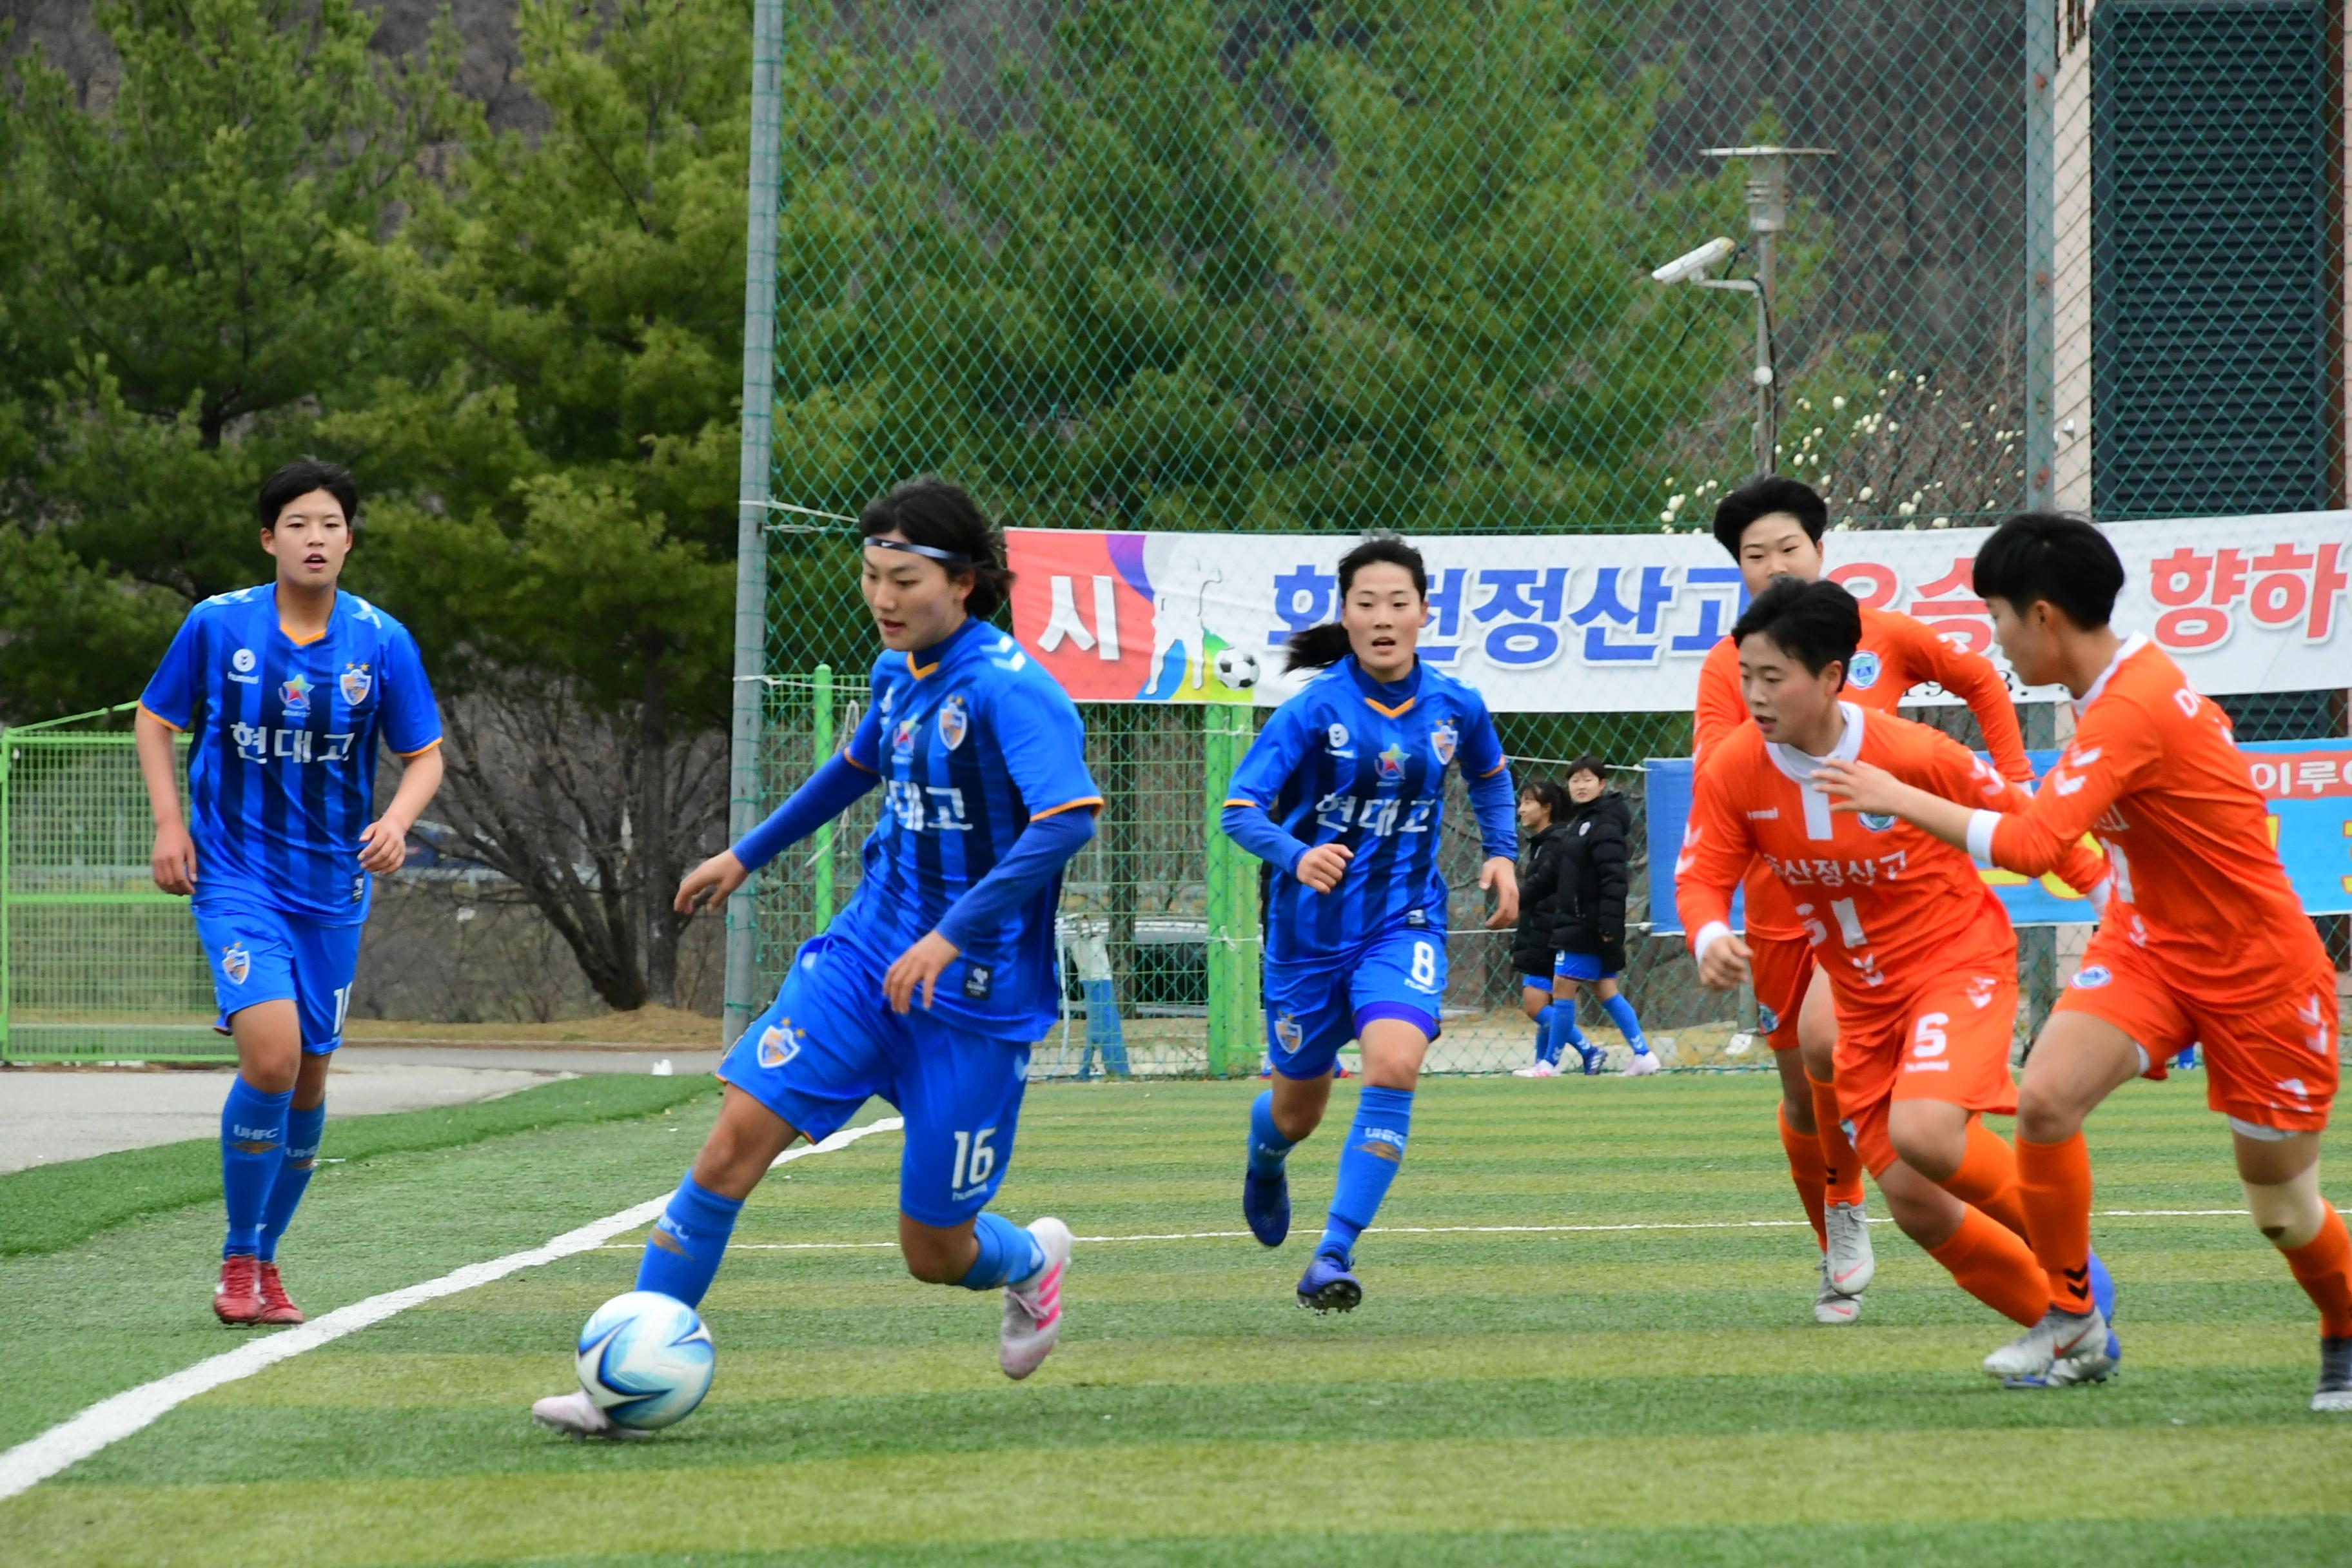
x,y
1236,669
646,1360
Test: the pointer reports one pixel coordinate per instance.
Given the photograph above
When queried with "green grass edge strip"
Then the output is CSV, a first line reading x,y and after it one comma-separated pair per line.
x,y
49,1207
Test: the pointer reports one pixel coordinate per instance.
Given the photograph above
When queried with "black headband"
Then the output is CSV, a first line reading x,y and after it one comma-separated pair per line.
x,y
929,553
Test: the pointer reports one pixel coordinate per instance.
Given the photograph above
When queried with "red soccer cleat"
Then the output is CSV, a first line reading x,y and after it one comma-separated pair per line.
x,y
239,1302
277,1307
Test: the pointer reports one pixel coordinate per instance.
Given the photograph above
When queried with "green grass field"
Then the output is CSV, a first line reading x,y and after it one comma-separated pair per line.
x,y
1503,1396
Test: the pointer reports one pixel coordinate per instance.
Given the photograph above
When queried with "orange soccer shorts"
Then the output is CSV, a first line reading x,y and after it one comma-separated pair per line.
x,y
1780,968
2270,1062
1950,1042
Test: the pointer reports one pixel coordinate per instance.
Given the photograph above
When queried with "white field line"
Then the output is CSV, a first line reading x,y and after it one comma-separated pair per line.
x,y
70,1442
1434,1230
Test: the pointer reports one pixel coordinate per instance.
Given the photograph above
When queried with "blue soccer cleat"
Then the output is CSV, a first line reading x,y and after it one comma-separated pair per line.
x,y
2102,1296
1265,1204
1594,1058
1328,1287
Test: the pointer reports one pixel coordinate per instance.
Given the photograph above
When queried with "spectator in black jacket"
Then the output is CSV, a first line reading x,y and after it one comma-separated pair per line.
x,y
1542,805
1589,907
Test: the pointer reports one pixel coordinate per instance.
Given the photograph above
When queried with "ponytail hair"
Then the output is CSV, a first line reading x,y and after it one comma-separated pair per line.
x,y
940,516
1548,794
1321,646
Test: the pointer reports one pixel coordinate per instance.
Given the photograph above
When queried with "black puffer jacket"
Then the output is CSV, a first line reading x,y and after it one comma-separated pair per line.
x,y
1531,943
1588,905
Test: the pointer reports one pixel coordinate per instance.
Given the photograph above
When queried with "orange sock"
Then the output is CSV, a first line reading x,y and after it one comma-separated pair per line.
x,y
2054,1180
1805,1169
1992,1263
1842,1180
1987,1178
2322,1267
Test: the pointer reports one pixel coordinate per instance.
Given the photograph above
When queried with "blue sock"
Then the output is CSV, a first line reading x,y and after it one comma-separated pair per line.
x,y
1007,1253
1621,1013
302,1132
1564,1032
1545,1050
253,1145
1267,1147
1368,1163
683,1250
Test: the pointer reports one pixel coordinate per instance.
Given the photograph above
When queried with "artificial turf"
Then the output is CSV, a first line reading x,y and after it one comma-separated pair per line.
x,y
1503,1396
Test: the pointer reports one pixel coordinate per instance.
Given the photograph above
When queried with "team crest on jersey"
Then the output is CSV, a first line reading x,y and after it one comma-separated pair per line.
x,y
1287,1032
294,691
1391,762
1863,674
242,661
2090,978
902,737
954,723
977,979
235,963
1443,736
1878,821
1336,735
356,683
1767,1022
779,1042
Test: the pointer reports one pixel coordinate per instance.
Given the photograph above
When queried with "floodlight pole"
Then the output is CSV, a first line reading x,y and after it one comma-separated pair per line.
x,y
1768,215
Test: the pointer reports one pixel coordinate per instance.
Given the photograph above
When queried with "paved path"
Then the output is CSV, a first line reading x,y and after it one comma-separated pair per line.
x,y
48,1115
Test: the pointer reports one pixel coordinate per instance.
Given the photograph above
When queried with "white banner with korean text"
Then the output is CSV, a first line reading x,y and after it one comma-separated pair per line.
x,y
1619,623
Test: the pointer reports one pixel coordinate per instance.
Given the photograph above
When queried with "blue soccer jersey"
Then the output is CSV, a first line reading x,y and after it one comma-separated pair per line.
x,y
971,747
1350,760
281,762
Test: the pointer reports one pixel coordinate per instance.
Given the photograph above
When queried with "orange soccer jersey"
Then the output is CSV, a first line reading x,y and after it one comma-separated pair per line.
x,y
2205,939
1897,653
1919,952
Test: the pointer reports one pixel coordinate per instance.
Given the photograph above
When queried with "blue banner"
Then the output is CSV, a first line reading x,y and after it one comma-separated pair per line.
x,y
2308,783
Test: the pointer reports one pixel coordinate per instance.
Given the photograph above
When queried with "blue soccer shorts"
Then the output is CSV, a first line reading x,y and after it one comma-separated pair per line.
x,y
260,954
1584,966
829,1042
1535,981
1313,1008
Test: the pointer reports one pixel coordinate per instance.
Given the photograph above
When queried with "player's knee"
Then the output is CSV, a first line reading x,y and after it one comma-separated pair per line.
x,y
1925,1143
266,1073
2290,1213
2045,1115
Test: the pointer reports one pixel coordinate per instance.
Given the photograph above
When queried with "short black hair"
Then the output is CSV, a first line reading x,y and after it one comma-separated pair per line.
x,y
1321,646
933,513
1813,622
1587,763
2050,556
298,479
1763,497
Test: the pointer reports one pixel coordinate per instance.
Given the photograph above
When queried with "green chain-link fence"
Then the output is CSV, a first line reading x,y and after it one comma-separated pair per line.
x,y
95,964
1335,268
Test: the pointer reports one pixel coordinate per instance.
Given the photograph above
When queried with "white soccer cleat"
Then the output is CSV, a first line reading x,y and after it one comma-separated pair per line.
x,y
575,1415
1833,1306
1033,1309
1643,1065
1539,1068
2062,1350
1849,1265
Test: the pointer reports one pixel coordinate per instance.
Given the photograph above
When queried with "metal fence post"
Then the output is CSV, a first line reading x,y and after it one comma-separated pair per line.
x,y
2040,253
752,489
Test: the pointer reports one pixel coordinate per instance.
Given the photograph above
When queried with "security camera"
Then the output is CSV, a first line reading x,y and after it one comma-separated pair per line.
x,y
1693,263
